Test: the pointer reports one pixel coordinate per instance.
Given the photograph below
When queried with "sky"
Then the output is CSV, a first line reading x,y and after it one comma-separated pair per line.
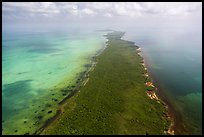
x,y
107,14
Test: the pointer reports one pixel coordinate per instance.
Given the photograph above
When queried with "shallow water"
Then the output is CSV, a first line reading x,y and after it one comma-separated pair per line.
x,y
35,66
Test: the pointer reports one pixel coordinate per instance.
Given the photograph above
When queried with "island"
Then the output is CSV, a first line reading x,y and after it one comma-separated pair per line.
x,y
115,97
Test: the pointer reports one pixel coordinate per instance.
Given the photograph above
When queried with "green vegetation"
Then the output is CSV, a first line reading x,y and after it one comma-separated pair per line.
x,y
114,100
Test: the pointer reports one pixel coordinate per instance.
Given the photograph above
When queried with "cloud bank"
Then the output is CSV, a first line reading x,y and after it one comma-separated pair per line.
x,y
99,9
100,13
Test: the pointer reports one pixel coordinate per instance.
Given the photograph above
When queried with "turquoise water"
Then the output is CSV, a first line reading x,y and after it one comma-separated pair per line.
x,y
174,58
35,66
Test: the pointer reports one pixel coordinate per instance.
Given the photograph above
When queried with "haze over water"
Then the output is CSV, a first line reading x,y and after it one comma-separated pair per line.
x,y
174,58
45,44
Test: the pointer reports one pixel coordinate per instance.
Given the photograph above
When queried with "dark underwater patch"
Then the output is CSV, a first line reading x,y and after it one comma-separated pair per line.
x,y
44,50
11,93
13,89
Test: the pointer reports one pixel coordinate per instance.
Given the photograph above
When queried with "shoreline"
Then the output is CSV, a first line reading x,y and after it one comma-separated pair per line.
x,y
163,98
84,77
81,84
177,124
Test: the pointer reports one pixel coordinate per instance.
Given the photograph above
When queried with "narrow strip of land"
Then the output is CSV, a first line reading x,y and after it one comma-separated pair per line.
x,y
115,99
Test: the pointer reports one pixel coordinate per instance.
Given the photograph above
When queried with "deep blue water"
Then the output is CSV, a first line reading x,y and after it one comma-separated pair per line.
x,y
174,57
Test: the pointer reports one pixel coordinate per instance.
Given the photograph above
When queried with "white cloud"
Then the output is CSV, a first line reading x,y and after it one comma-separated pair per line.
x,y
88,12
182,8
20,4
108,15
127,9
68,8
172,8
99,5
31,8
103,9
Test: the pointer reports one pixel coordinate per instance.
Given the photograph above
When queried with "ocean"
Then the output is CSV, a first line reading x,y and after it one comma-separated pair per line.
x,y
36,65
173,57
